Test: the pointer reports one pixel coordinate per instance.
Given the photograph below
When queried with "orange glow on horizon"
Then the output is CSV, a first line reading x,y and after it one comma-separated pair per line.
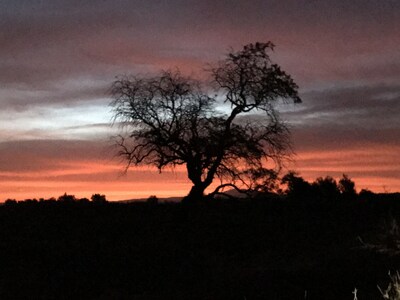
x,y
370,167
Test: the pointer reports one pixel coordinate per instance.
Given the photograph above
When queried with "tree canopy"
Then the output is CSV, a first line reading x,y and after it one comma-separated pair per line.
x,y
171,120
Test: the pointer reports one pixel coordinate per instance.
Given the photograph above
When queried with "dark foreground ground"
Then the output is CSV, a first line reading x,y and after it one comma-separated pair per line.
x,y
244,250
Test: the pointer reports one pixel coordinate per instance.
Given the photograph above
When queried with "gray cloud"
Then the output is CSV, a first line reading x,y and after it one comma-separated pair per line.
x,y
346,118
21,99
368,106
54,40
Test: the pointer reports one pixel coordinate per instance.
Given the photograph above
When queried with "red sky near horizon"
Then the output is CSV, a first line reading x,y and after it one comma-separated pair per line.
x,y
59,58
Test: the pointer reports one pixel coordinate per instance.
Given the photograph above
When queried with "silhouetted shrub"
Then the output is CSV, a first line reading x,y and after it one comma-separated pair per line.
x,y
366,194
347,187
66,198
98,198
84,200
152,200
326,189
30,201
51,200
297,187
10,202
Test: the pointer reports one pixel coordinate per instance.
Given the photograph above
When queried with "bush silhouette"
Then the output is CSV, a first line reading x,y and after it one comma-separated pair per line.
x,y
10,202
297,187
347,187
66,198
98,198
326,189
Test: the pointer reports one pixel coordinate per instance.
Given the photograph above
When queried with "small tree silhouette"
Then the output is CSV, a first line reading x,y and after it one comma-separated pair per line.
x,y
347,187
326,189
83,200
66,198
10,202
98,198
297,187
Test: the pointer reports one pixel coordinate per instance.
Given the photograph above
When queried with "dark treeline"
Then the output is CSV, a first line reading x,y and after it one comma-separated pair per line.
x,y
322,189
310,239
65,198
292,187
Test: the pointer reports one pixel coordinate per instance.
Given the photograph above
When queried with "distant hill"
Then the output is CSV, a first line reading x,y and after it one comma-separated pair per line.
x,y
162,200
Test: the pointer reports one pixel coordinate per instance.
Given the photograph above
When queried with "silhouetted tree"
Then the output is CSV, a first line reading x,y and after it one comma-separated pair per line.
x,y
326,188
31,201
51,200
366,194
66,198
297,187
83,200
347,187
171,121
10,202
97,198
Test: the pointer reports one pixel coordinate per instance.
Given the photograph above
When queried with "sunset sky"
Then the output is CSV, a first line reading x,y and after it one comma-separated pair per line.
x,y
59,58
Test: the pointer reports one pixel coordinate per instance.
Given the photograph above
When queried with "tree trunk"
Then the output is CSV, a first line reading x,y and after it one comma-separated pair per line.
x,y
196,194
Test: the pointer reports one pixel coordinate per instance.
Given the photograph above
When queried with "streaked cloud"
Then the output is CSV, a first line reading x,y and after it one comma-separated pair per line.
x,y
46,168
